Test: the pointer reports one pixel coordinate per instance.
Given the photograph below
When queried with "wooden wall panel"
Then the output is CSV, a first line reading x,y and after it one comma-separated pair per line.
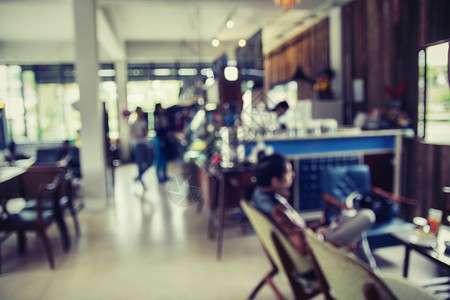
x,y
308,50
387,44
375,53
445,178
427,173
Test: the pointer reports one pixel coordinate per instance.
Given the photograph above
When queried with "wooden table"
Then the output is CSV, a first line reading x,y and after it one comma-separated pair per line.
x,y
222,189
435,253
7,175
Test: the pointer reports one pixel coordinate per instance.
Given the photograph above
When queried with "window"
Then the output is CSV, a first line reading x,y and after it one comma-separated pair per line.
x,y
108,94
147,93
41,102
434,94
36,109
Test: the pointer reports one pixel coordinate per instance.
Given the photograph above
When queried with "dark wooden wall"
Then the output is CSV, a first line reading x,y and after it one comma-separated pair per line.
x,y
378,37
381,41
308,50
427,171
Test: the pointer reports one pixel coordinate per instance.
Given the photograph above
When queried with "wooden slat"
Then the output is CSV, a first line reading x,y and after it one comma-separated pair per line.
x,y
444,198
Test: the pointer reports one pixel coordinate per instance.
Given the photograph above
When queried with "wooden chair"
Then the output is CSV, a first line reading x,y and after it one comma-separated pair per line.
x,y
282,256
349,278
51,156
38,219
225,211
44,174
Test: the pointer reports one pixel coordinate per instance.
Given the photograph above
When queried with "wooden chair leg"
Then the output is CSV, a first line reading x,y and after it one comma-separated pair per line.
x,y
274,288
267,280
48,248
221,208
65,238
297,288
76,224
21,243
211,228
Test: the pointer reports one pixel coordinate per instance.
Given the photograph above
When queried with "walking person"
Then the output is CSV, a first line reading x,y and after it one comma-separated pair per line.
x,y
139,142
161,141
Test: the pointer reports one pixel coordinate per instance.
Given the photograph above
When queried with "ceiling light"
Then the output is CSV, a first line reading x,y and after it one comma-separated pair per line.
x,y
231,73
187,72
242,43
162,72
215,43
208,72
230,24
286,5
106,73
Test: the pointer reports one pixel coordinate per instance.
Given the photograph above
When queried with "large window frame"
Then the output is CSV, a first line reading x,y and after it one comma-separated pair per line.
x,y
434,93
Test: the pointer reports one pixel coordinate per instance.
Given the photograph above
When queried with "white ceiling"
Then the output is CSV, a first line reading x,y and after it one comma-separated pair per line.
x,y
143,30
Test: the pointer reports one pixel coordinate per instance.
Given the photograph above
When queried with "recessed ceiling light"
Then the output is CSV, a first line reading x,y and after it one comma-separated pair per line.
x,y
242,43
231,73
215,43
230,24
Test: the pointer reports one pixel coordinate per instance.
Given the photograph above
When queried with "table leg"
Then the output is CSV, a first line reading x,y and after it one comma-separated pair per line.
x,y
21,242
221,208
406,261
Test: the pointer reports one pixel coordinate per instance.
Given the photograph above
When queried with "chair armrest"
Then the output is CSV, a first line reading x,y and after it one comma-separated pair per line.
x,y
331,200
394,196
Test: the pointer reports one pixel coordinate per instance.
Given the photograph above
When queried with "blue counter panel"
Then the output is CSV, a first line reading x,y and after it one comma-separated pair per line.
x,y
328,145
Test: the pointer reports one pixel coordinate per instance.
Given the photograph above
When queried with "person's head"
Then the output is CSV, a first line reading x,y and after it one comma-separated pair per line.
x,y
158,108
139,112
274,171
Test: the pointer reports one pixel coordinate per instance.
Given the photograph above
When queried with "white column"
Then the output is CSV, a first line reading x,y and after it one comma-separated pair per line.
x,y
124,132
93,158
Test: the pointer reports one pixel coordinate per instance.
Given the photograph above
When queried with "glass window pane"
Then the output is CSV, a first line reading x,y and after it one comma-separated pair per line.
x,y
108,94
437,116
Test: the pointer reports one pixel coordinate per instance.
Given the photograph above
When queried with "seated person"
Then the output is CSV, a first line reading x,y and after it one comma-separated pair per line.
x,y
274,176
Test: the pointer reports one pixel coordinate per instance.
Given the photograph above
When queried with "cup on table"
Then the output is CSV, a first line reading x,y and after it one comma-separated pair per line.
x,y
434,219
422,224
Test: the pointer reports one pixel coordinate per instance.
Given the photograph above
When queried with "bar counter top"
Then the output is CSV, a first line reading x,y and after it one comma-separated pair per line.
x,y
342,132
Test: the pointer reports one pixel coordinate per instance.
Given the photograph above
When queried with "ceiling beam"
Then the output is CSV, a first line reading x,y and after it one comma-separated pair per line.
x,y
238,3
107,38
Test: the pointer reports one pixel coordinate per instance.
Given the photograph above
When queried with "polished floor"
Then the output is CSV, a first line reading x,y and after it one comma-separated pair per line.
x,y
145,245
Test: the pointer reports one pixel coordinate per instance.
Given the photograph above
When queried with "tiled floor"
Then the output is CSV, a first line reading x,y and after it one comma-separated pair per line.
x,y
145,247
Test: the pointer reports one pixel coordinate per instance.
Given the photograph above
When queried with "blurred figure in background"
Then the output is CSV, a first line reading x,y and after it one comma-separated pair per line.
x,y
160,143
139,143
